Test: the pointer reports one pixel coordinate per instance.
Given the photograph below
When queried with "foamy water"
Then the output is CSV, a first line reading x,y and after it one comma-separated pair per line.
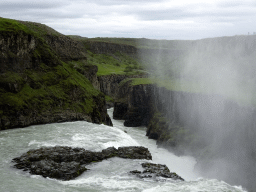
x,y
109,175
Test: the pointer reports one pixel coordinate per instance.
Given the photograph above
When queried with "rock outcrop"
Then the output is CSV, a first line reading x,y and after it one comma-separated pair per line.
x,y
134,105
66,163
139,106
109,84
155,171
21,50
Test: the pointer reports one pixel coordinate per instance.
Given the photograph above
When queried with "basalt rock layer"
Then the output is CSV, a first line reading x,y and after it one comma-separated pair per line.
x,y
134,104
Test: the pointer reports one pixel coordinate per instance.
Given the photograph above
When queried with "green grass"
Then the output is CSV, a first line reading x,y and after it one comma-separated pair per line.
x,y
117,63
244,94
10,77
41,29
63,85
136,81
36,29
168,84
108,98
10,25
114,64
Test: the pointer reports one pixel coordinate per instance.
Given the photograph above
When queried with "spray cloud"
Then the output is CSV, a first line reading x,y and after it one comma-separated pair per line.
x,y
217,103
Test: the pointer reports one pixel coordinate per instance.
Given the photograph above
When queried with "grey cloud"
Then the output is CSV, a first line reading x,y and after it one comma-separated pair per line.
x,y
31,4
37,11
98,17
189,13
123,2
56,15
170,14
235,4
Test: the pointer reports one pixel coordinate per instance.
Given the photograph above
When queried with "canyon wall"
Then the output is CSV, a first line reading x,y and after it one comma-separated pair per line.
x,y
39,82
217,131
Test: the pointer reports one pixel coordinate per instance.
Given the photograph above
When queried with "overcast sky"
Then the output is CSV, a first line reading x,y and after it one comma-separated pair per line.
x,y
162,19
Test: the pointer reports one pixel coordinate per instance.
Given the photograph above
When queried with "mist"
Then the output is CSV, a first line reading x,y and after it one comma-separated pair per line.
x,y
214,99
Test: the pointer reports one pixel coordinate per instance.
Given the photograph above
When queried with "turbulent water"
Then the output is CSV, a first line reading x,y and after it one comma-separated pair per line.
x,y
108,175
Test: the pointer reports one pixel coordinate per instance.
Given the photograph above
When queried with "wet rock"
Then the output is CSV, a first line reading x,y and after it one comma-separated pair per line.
x,y
109,152
152,170
66,163
120,110
134,153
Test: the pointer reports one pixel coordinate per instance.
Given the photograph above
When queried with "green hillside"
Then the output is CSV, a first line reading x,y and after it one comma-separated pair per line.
x,y
37,84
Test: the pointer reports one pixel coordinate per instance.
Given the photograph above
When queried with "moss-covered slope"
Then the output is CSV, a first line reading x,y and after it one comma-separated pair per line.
x,y
39,82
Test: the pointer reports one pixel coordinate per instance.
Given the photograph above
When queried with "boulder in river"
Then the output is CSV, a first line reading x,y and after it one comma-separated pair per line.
x,y
152,170
66,163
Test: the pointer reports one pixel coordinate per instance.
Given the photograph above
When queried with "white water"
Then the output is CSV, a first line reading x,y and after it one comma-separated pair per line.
x,y
108,175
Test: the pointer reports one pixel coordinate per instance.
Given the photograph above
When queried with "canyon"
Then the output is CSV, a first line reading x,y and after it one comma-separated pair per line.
x,y
47,77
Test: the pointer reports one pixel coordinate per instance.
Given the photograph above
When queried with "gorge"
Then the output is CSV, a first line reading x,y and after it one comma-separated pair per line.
x,y
47,77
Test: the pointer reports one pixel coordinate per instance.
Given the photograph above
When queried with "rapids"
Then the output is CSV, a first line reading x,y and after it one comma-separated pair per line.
x,y
109,175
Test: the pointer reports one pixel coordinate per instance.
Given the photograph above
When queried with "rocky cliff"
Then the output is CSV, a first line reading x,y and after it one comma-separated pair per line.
x,y
208,127
109,84
134,104
105,48
216,130
44,78
26,45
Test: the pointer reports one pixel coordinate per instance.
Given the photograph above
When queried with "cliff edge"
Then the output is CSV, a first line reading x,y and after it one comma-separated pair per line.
x,y
40,82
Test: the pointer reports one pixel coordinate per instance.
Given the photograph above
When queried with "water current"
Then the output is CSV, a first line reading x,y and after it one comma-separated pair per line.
x,y
107,176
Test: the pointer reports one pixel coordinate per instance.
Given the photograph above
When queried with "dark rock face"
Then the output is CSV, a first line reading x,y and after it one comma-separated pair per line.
x,y
66,163
137,116
100,111
15,51
109,84
18,51
152,170
66,48
120,110
137,106
27,117
175,121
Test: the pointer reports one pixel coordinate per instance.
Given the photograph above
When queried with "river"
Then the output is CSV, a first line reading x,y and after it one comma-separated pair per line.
x,y
107,176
